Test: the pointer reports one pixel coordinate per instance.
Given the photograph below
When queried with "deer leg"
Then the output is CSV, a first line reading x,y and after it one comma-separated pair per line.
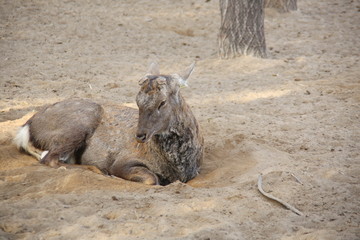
x,y
134,171
86,167
51,159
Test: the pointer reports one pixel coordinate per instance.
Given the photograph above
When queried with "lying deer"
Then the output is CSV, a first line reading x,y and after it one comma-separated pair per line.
x,y
165,146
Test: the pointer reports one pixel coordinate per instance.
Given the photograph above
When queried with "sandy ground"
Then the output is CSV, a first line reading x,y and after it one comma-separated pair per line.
x,y
293,117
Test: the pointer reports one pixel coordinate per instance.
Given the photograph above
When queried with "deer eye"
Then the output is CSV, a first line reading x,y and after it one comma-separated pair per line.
x,y
161,104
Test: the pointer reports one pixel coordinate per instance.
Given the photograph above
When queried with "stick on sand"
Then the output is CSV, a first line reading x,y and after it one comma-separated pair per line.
x,y
288,206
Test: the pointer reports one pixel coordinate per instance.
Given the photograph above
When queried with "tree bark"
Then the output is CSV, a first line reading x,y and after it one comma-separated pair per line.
x,y
281,5
242,28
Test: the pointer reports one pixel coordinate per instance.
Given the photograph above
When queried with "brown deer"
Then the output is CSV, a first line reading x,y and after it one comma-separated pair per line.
x,y
157,144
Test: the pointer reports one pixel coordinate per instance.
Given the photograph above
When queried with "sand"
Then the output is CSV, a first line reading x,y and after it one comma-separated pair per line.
x,y
292,117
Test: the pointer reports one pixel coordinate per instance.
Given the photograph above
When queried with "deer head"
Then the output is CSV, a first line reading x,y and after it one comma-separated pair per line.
x,y
159,101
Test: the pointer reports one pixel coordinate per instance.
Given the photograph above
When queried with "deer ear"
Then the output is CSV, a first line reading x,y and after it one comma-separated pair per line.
x,y
142,80
153,69
187,72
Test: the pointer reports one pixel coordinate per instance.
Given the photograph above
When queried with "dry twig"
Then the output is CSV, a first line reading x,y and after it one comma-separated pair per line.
x,y
297,179
288,206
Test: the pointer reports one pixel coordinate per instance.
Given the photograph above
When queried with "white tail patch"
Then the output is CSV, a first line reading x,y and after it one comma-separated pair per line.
x,y
22,137
22,142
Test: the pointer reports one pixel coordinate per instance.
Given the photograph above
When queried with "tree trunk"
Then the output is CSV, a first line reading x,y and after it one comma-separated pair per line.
x,y
242,28
281,5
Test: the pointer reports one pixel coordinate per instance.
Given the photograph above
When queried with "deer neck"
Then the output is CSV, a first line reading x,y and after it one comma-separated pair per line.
x,y
182,144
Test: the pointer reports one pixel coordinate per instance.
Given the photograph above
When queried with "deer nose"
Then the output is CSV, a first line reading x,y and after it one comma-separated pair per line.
x,y
141,137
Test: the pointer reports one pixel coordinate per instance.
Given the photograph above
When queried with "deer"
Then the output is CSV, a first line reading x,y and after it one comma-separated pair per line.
x,y
156,144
